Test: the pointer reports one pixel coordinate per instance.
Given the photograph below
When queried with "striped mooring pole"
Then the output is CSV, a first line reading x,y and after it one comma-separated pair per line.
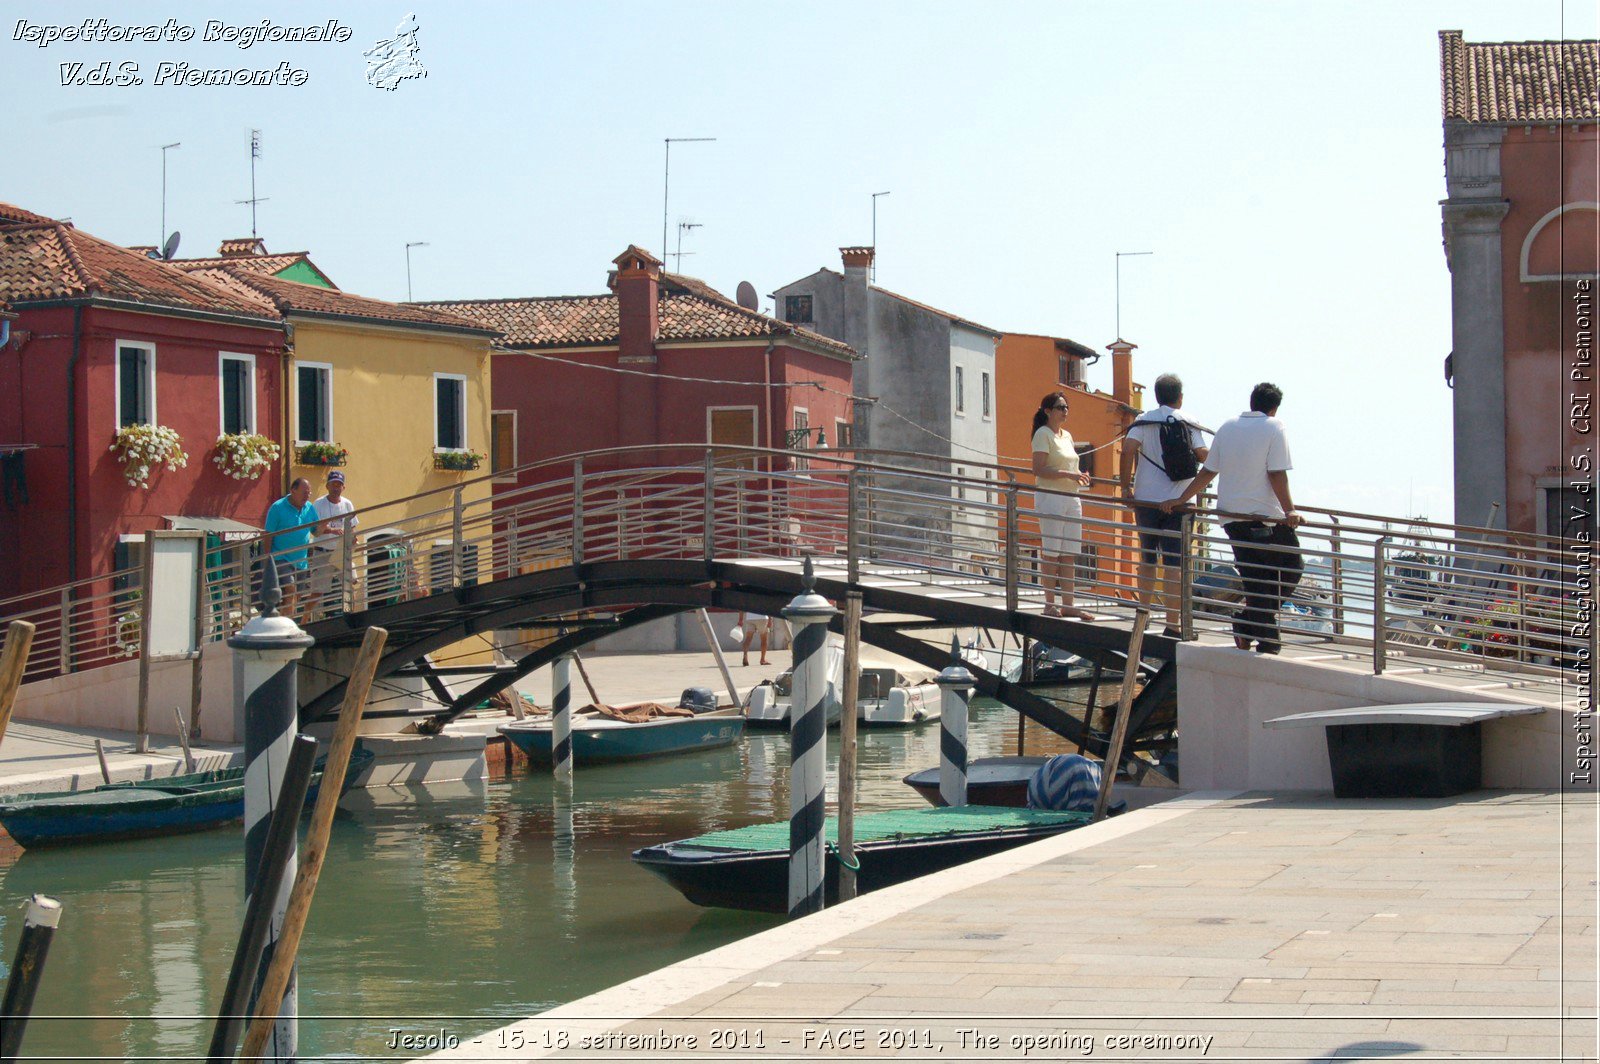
x,y
38,928
955,690
561,717
267,651
808,615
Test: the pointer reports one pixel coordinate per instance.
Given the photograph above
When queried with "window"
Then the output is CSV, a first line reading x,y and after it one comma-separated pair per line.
x,y
238,393
1086,453
797,309
314,402
449,412
961,390
732,426
1063,369
961,489
842,434
800,438
987,413
503,442
136,383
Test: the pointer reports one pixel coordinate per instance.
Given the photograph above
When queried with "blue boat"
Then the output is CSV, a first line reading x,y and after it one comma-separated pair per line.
x,y
167,806
598,739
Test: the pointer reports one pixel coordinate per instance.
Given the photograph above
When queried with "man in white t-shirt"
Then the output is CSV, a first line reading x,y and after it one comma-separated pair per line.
x,y
327,554
1251,455
1146,485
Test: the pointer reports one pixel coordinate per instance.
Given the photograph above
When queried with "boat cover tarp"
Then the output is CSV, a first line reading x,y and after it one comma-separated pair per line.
x,y
638,714
892,824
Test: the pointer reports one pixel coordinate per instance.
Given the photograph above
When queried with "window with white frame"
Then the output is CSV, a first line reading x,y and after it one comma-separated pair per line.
x,y
449,412
800,439
987,412
313,384
237,387
136,383
961,390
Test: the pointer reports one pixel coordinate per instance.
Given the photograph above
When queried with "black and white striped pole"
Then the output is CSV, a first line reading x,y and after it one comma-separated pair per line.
x,y
955,690
267,651
38,928
561,717
808,615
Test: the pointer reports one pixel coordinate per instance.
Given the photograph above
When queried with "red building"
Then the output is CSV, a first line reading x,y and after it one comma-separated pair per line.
x,y
105,338
700,368
1522,232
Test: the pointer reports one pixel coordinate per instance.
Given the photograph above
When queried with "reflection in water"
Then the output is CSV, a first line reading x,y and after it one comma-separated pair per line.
x,y
485,901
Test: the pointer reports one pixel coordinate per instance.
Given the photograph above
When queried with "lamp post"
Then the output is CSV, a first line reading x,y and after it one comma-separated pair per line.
x,y
875,196
413,244
666,176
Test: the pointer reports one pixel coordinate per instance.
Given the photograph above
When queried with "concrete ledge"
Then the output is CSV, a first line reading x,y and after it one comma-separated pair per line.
x,y
123,769
1226,695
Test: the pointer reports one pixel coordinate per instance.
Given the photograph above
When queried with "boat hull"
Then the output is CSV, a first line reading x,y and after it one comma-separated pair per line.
x,y
171,806
758,881
1001,781
603,740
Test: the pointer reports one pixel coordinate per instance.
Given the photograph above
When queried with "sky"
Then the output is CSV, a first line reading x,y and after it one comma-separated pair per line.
x,y
1281,161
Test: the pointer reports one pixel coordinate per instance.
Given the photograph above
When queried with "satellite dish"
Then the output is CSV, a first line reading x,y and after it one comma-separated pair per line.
x,y
745,296
170,248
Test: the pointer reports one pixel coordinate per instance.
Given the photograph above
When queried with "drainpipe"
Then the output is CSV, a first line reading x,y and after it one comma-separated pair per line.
x,y
766,357
72,444
287,358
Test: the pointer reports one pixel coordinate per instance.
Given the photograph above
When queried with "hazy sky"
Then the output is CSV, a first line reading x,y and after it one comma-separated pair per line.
x,y
1282,160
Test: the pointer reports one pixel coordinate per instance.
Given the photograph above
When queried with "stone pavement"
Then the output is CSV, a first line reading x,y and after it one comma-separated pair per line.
x,y
58,757
1282,927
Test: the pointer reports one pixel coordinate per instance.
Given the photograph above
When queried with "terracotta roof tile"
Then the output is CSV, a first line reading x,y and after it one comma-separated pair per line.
x,y
10,214
263,264
1516,82
581,321
55,261
288,297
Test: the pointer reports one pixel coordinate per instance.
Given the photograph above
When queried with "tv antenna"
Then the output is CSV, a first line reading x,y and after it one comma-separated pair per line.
x,y
680,253
666,175
875,196
170,248
164,149
255,153
1120,256
413,244
746,296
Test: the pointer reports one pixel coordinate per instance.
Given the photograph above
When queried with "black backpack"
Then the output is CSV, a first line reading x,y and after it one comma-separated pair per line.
x,y
1177,452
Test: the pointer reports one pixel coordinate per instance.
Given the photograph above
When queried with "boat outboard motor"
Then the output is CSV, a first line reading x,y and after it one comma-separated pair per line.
x,y
699,699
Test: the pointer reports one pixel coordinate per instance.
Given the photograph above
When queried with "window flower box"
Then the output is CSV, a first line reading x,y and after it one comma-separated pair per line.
x,y
140,448
245,455
321,454
458,461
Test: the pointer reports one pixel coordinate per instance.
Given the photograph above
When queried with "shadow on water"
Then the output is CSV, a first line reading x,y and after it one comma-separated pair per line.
x,y
485,902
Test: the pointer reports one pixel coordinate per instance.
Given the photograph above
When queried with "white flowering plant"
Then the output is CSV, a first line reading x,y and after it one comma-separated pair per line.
x,y
141,448
245,455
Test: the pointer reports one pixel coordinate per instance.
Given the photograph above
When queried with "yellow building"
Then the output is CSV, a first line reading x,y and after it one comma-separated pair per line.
x,y
402,391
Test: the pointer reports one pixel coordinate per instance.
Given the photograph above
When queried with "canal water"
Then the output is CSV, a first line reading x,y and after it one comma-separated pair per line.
x,y
461,906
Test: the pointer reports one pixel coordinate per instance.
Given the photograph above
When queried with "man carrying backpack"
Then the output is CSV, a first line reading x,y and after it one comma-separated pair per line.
x,y
1160,457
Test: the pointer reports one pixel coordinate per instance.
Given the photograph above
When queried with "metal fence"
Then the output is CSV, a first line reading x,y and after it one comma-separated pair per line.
x,y
1376,588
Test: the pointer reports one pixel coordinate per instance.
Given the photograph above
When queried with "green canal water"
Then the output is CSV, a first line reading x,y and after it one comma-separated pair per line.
x,y
462,906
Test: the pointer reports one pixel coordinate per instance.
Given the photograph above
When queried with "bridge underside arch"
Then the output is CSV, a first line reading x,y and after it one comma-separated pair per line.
x,y
638,592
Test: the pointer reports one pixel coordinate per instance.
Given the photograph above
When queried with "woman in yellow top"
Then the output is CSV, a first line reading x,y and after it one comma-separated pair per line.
x,y
1055,467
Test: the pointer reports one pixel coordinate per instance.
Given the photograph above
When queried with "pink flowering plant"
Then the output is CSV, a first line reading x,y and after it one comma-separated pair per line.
x,y
245,455
141,448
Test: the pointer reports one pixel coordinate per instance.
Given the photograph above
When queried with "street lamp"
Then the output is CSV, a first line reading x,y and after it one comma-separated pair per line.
x,y
666,175
413,244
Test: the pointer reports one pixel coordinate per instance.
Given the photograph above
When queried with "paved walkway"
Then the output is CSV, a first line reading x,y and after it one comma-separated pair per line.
x,y
56,757
1274,927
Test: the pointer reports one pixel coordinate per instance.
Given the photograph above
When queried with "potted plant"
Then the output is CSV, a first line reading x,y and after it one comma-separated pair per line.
x,y
321,454
140,448
458,460
245,455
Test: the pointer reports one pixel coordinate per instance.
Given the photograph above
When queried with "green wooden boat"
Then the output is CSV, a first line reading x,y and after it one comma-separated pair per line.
x,y
166,806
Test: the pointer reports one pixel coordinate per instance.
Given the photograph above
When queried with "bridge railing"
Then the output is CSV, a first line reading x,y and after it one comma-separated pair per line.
x,y
1459,596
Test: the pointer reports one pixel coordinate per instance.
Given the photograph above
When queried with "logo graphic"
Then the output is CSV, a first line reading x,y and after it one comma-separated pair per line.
x,y
395,60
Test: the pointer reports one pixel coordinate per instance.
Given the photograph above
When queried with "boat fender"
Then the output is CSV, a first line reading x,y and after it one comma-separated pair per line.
x,y
1066,782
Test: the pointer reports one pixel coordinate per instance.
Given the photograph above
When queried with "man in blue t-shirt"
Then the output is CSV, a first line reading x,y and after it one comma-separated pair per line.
x,y
289,549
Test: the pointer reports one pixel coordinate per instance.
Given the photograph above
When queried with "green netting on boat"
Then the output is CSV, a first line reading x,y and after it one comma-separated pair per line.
x,y
891,824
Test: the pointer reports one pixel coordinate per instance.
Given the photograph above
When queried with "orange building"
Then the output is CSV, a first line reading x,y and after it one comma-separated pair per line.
x,y
1029,367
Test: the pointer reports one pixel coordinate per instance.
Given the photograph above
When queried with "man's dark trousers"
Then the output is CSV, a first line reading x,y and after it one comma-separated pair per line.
x,y
1269,574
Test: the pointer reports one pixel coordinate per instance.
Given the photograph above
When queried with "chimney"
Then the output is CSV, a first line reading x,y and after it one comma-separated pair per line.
x,y
638,290
857,329
243,247
1122,371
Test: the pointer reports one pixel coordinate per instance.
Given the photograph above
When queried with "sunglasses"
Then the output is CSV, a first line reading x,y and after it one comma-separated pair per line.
x,y
1060,406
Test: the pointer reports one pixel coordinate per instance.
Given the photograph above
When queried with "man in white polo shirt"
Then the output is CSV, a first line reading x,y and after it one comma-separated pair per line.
x,y
1251,455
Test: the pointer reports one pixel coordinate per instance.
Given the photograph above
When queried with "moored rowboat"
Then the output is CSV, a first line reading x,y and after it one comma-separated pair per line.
x,y
166,806
598,739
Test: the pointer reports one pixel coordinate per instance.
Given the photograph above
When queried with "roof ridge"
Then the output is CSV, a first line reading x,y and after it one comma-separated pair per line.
x,y
73,256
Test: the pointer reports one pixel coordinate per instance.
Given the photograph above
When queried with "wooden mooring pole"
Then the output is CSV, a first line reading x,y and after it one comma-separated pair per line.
x,y
1119,730
847,746
13,661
